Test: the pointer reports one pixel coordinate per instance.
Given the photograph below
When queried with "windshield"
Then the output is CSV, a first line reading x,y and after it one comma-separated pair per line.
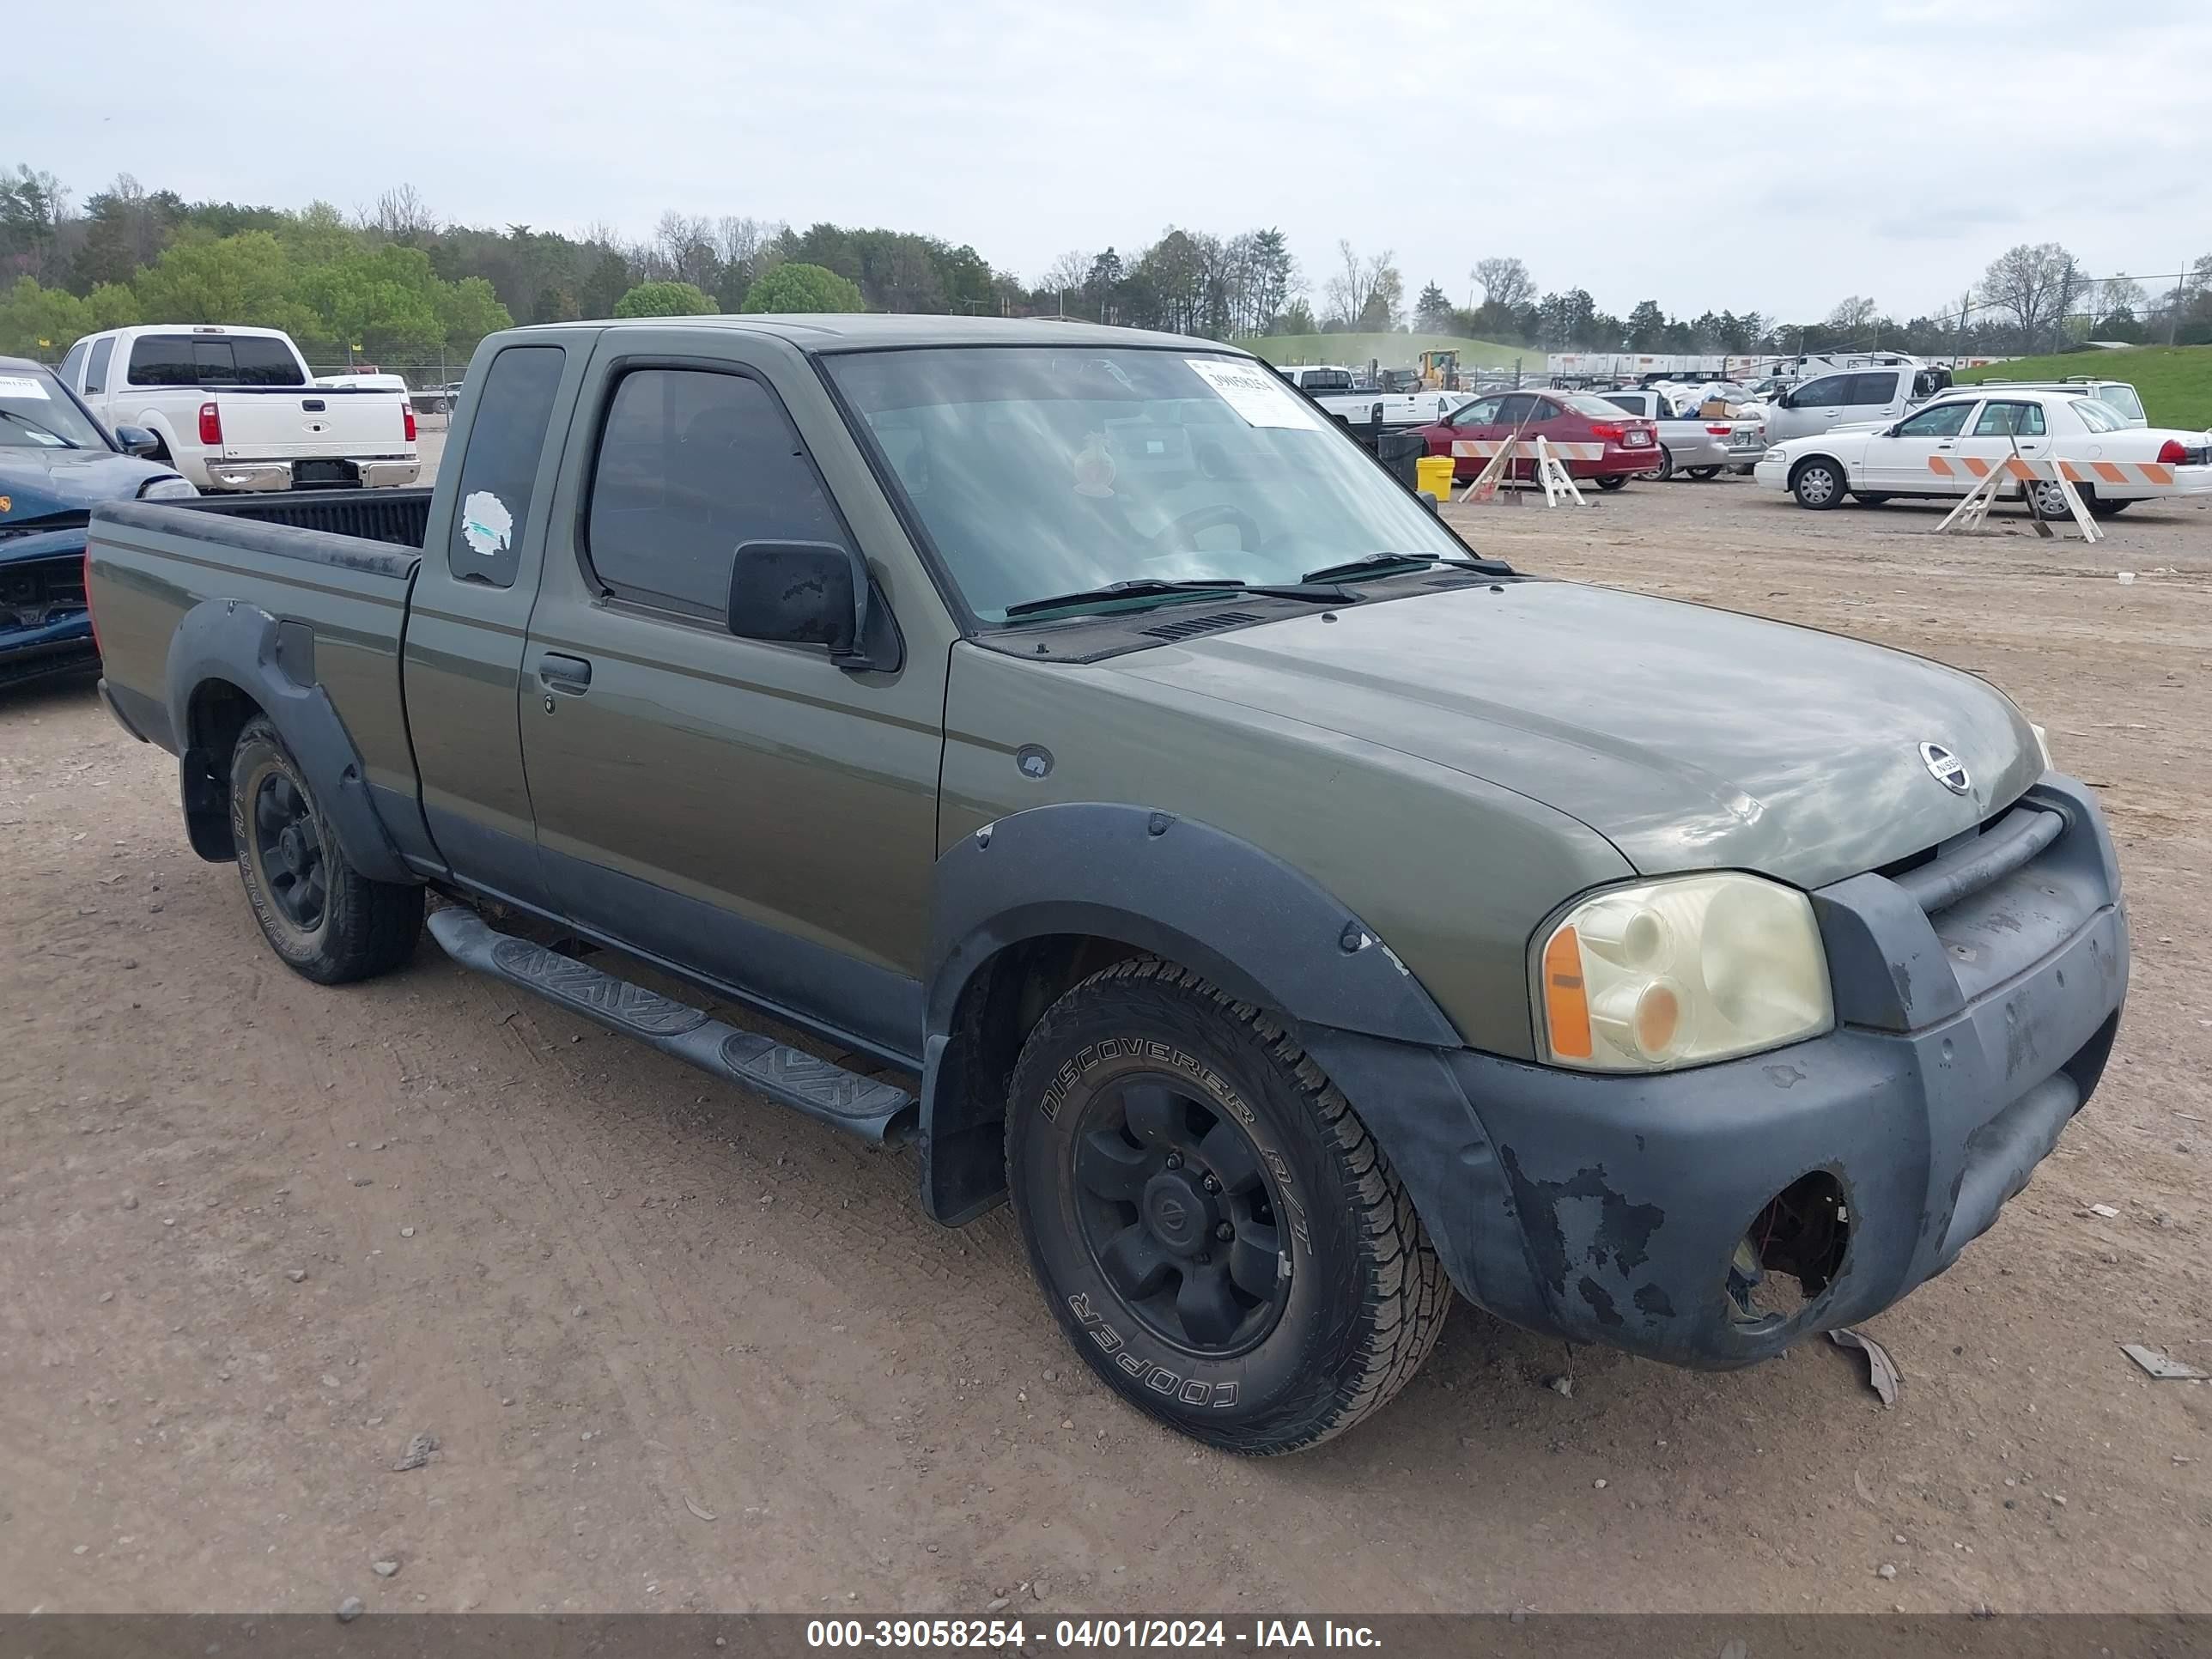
x,y
2098,416
35,413
1040,470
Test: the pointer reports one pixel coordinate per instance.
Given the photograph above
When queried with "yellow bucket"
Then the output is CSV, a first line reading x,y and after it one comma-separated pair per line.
x,y
1432,475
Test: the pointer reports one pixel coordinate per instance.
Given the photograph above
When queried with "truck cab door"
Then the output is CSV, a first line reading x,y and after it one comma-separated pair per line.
x,y
469,615
746,811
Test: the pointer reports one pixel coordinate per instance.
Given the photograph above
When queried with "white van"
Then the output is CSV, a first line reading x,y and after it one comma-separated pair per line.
x,y
1863,396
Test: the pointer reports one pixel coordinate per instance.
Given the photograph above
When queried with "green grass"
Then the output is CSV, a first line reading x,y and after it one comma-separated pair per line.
x,y
1391,350
2175,382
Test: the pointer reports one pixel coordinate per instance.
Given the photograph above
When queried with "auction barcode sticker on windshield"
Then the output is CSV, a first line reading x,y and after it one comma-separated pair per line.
x,y
1254,392
22,386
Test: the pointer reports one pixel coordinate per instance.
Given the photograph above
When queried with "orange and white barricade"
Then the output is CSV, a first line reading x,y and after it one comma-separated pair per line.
x,y
2156,473
1992,476
1549,460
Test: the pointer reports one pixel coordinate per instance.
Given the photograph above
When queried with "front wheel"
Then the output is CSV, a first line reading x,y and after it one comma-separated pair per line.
x,y
328,922
1705,474
1613,481
1874,498
1818,483
1666,465
1214,1228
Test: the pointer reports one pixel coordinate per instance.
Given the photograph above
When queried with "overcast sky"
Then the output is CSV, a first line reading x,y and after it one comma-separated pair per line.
x,y
1763,157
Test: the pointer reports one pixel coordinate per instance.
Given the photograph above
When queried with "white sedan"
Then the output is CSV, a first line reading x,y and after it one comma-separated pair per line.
x,y
1946,447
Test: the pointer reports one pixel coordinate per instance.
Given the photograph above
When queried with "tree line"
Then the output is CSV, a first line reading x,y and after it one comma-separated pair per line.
x,y
394,282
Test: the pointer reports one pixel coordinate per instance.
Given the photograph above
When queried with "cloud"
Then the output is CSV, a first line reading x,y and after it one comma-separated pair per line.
x,y
1827,151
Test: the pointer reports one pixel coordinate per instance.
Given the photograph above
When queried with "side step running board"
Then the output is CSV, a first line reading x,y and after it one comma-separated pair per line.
x,y
865,1106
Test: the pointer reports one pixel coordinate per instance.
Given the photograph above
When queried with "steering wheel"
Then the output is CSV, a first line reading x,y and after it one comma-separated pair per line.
x,y
1179,533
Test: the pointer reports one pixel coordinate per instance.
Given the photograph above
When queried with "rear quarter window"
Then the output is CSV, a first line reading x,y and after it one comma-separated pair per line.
x,y
499,473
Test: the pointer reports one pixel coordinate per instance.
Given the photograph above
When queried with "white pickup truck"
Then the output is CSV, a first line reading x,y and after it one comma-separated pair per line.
x,y
236,409
1330,384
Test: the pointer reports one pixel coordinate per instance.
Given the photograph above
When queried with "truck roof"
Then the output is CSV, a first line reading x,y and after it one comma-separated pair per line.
x,y
856,331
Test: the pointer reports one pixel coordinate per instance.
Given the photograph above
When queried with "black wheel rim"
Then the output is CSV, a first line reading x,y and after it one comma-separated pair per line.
x,y
1180,1217
290,851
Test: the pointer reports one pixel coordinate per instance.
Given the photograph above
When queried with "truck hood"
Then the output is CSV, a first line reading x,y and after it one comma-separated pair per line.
x,y
38,482
1691,739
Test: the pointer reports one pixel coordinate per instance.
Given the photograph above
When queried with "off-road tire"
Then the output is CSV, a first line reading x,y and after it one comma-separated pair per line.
x,y
1365,1295
1819,483
364,927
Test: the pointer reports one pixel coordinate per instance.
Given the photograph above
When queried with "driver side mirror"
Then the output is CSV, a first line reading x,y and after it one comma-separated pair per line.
x,y
136,441
813,593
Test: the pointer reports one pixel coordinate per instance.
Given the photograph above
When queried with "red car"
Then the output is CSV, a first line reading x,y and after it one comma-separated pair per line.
x,y
1596,440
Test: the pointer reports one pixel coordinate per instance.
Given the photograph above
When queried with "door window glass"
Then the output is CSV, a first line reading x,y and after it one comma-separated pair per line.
x,y
1944,421
691,464
2009,420
1872,389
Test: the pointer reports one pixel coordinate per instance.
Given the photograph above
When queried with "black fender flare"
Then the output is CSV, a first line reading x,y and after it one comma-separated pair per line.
x,y
1258,928
273,662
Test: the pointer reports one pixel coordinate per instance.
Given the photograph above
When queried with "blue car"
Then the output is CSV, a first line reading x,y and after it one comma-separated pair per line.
x,y
56,464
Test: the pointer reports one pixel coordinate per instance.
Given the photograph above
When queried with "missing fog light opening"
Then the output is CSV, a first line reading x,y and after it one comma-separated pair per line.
x,y
1791,1254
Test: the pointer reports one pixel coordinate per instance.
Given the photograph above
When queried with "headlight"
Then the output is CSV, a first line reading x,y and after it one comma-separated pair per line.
x,y
1773,454
1679,972
2043,746
166,490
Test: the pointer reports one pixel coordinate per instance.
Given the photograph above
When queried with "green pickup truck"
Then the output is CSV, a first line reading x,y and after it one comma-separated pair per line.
x,y
1159,818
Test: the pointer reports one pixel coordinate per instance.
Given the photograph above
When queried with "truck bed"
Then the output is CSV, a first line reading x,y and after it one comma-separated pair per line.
x,y
346,560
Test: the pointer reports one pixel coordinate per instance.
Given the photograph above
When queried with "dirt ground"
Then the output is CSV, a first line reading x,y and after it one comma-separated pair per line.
x,y
682,1350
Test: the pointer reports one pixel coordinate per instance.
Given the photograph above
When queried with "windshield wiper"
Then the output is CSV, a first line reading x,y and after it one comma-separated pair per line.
x,y
37,425
1141,587
1391,564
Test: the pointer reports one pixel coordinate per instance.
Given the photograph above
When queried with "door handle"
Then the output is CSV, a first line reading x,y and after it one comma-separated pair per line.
x,y
560,674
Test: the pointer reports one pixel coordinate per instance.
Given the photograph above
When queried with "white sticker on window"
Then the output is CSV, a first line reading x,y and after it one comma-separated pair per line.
x,y
1254,392
487,524
23,386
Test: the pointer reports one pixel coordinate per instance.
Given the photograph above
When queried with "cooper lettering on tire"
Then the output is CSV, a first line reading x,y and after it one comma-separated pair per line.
x,y
1215,1230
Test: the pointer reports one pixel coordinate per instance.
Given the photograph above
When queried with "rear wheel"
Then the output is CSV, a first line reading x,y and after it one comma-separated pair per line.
x,y
1215,1230
1817,483
1614,480
1703,474
2099,506
327,921
1871,498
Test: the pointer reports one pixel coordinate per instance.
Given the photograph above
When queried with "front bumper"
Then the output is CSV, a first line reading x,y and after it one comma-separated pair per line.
x,y
1611,1209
